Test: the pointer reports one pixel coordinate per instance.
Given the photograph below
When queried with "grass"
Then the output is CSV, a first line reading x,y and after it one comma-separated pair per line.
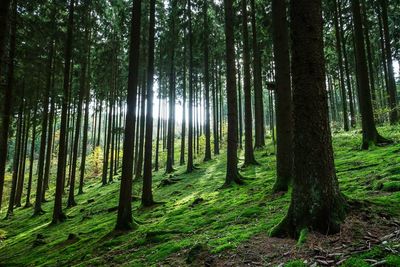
x,y
223,220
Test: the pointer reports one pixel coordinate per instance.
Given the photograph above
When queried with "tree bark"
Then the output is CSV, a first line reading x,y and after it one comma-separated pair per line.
x,y
340,64
317,203
284,115
259,140
124,219
190,166
393,115
147,193
248,117
207,155
58,214
232,173
8,92
370,134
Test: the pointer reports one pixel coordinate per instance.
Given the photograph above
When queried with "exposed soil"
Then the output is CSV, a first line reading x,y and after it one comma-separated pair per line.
x,y
360,232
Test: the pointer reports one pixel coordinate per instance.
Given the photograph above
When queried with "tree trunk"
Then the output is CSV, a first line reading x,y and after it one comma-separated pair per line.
x,y
370,134
85,123
232,173
393,116
58,215
346,67
22,163
124,219
248,117
32,157
207,155
147,194
82,90
45,121
17,153
190,166
284,115
340,63
259,140
317,203
8,95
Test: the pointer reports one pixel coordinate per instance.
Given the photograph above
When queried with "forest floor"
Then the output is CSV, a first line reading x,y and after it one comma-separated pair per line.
x,y
201,224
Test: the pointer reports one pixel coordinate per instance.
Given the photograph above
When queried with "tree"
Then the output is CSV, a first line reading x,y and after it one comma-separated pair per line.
x,y
6,112
190,166
340,65
389,62
259,140
58,214
232,173
124,219
317,203
370,134
284,116
248,118
45,119
207,155
147,194
171,91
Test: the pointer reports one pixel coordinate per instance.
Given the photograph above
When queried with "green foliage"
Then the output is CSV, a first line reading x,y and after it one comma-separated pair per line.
x,y
355,262
295,263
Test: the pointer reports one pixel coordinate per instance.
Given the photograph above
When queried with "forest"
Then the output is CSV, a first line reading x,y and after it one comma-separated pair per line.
x,y
200,133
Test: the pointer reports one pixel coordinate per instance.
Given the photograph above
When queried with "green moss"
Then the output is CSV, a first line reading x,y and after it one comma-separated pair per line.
x,y
295,263
302,237
392,261
224,220
355,262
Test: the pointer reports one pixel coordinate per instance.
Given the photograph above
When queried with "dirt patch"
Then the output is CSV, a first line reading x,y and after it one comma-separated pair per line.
x,y
360,233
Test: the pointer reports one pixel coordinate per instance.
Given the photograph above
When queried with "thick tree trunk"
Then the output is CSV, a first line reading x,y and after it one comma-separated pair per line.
x,y
8,95
259,140
370,134
124,219
317,203
58,215
284,115
147,194
232,173
248,117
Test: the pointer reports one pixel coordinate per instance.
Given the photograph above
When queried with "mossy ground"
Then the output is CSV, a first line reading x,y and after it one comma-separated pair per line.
x,y
224,219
